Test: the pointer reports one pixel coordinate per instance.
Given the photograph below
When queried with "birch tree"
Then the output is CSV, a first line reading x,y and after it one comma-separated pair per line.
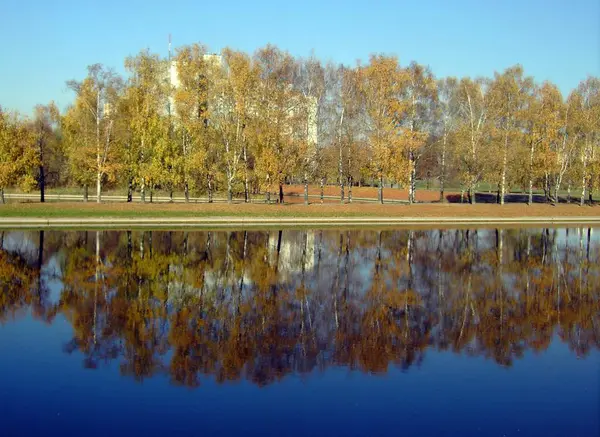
x,y
233,106
191,97
91,124
472,131
542,132
509,93
421,93
350,132
277,115
587,96
447,113
382,84
79,141
564,150
148,93
310,82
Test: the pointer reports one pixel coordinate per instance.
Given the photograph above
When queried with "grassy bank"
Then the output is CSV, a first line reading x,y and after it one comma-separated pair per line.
x,y
165,210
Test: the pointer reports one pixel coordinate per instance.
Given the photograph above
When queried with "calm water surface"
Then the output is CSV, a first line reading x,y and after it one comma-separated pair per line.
x,y
428,333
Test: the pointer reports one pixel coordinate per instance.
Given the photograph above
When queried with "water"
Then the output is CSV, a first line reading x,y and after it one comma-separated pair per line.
x,y
429,333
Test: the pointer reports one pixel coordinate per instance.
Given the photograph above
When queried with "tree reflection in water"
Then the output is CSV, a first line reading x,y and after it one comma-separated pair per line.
x,y
262,305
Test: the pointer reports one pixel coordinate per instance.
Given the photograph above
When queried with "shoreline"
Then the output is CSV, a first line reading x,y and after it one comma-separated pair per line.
x,y
286,222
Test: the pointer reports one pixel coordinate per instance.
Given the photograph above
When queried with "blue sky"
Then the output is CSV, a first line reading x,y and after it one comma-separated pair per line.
x,y
46,42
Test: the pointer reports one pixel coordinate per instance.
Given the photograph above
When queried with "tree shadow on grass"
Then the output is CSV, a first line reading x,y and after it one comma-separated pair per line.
x,y
489,198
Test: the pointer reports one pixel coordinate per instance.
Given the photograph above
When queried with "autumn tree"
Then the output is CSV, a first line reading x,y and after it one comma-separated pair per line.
x,y
17,157
147,92
472,131
509,94
562,161
587,97
421,96
447,119
542,122
191,70
344,126
233,105
310,82
44,127
277,118
382,84
127,147
89,127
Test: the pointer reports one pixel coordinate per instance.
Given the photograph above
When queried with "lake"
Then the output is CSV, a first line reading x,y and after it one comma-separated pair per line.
x,y
465,332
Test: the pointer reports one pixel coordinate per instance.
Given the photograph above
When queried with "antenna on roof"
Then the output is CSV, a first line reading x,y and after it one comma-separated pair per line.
x,y
169,46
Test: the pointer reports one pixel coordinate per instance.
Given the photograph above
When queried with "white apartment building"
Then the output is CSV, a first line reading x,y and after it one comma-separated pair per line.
x,y
217,61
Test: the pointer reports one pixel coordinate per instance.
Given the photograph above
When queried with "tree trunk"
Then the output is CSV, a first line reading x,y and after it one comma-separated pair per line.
x,y
531,153
268,196
380,190
210,189
472,195
305,190
246,185
584,160
42,184
129,191
143,191
98,187
443,173
583,187
502,190
98,159
186,188
171,195
2,199
349,189
151,194
85,193
569,193
322,189
556,194
341,158
411,177
229,191
280,192
442,196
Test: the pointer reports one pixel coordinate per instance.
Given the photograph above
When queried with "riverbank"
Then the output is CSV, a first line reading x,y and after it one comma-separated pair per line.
x,y
56,215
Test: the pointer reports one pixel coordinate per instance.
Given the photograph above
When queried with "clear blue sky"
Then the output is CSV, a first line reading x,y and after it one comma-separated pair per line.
x,y
46,42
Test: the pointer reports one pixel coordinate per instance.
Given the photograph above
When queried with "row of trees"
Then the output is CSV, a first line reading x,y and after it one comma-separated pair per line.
x,y
231,305
237,123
